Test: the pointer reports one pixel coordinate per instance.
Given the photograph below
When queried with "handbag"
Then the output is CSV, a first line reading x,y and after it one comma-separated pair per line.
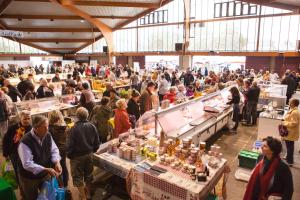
x,y
283,131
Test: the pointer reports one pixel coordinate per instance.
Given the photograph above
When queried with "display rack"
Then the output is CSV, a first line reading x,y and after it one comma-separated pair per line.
x,y
199,118
45,105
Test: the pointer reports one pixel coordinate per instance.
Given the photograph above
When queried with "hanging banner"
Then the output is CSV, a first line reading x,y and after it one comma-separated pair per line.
x,y
8,33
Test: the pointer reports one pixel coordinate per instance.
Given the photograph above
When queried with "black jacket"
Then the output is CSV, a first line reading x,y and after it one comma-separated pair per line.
x,y
23,86
41,94
83,139
133,109
59,135
13,93
290,82
283,182
188,79
253,94
9,147
235,100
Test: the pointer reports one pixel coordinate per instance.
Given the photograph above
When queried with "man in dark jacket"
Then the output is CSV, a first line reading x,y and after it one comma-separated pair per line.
x,y
252,96
24,85
38,158
12,91
290,82
83,141
188,78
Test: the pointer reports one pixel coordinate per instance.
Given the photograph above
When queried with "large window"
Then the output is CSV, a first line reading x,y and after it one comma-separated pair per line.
x,y
156,17
94,48
10,46
215,25
234,8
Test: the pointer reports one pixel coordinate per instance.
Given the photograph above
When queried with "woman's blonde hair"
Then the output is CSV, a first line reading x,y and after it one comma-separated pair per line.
x,y
120,103
56,118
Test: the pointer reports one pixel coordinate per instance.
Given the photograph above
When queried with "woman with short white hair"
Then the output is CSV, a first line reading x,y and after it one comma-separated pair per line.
x,y
13,136
122,123
181,92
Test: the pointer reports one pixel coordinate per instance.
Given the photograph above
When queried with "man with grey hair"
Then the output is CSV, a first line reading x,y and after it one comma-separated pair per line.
x,y
82,142
38,158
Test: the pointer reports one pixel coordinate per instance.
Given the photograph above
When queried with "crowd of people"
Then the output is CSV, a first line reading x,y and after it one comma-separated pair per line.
x,y
38,147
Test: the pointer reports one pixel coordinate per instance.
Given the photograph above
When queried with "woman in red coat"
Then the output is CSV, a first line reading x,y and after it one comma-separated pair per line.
x,y
171,95
122,123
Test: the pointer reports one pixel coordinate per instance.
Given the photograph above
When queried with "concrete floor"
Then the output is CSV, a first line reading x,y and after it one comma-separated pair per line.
x,y
230,144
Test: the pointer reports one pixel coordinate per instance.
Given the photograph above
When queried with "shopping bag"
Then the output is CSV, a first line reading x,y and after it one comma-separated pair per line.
x,y
48,190
8,174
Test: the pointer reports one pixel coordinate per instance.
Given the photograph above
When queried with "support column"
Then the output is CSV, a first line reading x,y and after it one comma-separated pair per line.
x,y
185,62
130,61
187,6
273,63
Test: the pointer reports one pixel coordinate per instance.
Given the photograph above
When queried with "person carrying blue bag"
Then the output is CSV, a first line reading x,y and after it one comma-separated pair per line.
x,y
51,191
39,158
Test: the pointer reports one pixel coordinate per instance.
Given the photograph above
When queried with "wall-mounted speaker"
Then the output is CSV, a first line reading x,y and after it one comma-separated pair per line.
x,y
105,49
178,46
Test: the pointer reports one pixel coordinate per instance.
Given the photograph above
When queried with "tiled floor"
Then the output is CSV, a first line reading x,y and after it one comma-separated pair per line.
x,y
230,144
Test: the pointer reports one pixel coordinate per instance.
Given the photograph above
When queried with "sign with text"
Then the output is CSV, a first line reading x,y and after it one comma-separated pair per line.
x,y
9,33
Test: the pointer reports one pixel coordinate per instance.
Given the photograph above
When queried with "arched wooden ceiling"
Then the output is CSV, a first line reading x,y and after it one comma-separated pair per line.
x,y
50,25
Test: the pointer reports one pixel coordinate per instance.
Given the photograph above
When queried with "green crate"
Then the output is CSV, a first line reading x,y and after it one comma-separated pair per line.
x,y
212,197
248,159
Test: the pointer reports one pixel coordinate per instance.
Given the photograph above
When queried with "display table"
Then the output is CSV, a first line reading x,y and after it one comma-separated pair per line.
x,y
173,184
268,125
113,164
6,191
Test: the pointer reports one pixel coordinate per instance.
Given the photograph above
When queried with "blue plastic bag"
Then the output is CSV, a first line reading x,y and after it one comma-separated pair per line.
x,y
48,190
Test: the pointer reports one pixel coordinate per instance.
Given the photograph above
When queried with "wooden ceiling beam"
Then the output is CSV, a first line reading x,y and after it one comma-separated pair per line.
x,y
87,44
4,5
55,40
115,4
106,31
53,30
58,17
34,0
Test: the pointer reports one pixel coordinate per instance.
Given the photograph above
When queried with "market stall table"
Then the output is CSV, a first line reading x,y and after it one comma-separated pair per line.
x,y
268,124
173,184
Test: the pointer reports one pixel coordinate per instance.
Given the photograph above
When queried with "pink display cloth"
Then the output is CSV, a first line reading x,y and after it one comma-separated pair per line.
x,y
173,185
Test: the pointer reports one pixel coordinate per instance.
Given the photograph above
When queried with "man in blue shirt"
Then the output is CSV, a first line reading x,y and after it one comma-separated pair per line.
x,y
38,158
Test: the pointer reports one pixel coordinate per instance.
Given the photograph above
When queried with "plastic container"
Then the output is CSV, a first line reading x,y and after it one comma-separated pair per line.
x,y
248,159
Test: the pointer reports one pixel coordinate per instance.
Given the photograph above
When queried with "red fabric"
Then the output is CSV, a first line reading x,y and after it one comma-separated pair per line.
x,y
88,71
263,179
107,72
170,96
122,123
